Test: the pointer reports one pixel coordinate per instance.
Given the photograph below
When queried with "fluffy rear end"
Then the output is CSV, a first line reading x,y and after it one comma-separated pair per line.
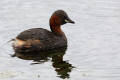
x,y
26,46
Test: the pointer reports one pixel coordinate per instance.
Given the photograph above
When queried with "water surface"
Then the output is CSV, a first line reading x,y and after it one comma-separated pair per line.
x,y
93,42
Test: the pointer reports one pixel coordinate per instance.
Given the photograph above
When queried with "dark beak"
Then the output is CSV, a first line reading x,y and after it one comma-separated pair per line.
x,y
69,21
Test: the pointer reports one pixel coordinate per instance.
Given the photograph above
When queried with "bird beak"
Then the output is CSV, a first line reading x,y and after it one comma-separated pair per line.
x,y
69,21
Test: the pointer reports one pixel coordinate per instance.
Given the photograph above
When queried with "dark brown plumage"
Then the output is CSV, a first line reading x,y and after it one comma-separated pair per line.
x,y
37,39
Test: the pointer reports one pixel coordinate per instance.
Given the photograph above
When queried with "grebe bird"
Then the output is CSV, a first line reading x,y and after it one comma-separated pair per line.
x,y
39,39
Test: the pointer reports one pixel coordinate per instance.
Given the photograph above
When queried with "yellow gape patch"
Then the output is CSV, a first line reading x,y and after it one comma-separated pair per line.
x,y
66,21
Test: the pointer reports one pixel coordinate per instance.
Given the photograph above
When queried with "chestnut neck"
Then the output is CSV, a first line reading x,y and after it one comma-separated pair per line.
x,y
55,26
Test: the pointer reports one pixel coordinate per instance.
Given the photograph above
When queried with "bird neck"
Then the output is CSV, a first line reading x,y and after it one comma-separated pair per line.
x,y
55,26
57,30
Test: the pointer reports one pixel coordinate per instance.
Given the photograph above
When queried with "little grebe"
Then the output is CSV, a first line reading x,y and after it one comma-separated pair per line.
x,y
38,39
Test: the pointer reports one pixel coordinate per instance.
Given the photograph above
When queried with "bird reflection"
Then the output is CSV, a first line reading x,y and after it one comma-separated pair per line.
x,y
63,68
